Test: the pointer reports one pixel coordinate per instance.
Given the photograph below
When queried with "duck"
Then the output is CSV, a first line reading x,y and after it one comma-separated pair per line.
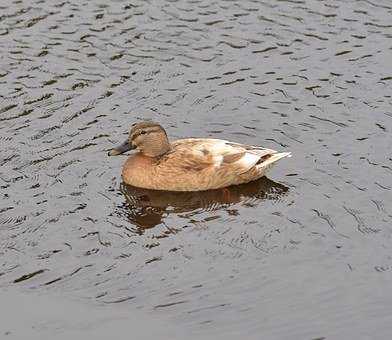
x,y
190,164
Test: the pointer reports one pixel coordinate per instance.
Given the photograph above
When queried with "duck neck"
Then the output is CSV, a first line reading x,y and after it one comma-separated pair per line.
x,y
157,149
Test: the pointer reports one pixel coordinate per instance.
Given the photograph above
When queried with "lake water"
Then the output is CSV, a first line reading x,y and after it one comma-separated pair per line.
x,y
304,254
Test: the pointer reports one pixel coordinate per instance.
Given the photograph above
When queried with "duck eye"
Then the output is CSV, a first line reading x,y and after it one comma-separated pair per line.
x,y
143,132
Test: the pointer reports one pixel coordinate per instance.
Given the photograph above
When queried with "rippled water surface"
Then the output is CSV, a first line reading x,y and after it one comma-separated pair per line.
x,y
305,254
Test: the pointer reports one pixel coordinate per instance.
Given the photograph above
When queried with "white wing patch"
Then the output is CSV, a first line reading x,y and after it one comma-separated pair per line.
x,y
219,147
218,160
248,160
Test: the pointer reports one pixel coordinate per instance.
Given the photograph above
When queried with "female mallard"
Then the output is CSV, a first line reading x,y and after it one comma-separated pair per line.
x,y
191,164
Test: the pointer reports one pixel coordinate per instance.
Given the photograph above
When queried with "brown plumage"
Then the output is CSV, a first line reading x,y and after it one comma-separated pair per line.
x,y
191,164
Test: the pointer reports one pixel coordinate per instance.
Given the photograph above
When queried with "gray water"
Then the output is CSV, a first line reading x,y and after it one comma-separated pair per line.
x,y
304,254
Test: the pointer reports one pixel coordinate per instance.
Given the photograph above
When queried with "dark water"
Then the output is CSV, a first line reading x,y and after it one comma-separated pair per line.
x,y
304,254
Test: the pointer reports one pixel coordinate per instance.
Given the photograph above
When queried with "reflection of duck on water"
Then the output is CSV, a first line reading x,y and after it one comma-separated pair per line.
x,y
147,208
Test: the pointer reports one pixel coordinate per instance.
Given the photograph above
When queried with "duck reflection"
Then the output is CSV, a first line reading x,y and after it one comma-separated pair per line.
x,y
148,208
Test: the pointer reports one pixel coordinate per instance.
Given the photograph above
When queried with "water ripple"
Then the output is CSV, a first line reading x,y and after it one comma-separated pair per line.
x,y
306,76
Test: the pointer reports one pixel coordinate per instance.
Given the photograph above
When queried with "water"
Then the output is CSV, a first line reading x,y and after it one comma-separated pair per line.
x,y
305,254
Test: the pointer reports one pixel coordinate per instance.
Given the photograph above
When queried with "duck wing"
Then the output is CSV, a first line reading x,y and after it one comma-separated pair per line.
x,y
199,154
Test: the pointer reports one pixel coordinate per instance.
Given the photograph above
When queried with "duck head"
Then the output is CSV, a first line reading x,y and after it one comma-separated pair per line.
x,y
149,138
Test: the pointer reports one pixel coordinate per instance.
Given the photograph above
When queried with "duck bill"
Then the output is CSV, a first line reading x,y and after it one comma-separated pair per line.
x,y
124,147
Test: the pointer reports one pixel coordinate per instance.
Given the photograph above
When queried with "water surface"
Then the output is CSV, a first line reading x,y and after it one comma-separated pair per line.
x,y
305,254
